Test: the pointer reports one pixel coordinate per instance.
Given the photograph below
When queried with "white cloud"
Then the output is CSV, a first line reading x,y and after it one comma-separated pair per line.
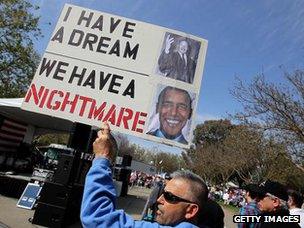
x,y
201,118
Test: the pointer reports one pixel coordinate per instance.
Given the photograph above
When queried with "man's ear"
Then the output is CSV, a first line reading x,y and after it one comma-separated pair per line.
x,y
276,202
157,104
192,211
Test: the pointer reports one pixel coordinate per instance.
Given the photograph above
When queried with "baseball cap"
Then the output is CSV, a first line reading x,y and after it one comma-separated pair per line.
x,y
273,188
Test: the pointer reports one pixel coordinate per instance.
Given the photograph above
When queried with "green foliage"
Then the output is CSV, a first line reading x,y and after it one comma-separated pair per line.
x,y
283,170
18,26
45,140
165,162
211,132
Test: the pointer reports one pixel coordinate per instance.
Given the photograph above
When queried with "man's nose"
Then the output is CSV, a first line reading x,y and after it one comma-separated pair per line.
x,y
160,199
174,110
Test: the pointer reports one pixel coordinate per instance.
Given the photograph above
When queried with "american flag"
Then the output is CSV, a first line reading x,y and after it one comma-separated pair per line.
x,y
11,134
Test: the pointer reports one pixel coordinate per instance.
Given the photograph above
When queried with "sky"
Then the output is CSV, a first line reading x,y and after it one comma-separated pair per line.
x,y
245,38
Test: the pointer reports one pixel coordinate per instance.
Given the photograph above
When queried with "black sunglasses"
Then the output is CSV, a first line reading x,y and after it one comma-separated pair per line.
x,y
171,198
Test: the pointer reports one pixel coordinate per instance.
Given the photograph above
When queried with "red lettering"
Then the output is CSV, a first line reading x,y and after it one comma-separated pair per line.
x,y
56,103
97,111
138,121
33,92
85,100
141,122
66,101
120,117
126,118
111,115
45,94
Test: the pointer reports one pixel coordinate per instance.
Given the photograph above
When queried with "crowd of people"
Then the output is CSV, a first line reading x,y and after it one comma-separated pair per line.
x,y
253,199
142,179
182,200
229,196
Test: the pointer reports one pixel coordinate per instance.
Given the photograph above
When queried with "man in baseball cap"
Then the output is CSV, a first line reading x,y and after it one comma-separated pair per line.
x,y
273,202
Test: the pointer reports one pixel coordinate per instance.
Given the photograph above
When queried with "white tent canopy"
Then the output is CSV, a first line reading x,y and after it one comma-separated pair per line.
x,y
11,108
231,184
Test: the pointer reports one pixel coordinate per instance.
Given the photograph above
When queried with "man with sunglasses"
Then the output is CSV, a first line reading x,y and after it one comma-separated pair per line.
x,y
178,206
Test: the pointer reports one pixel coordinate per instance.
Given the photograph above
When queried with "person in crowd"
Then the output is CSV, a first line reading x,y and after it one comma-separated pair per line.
x,y
273,202
212,215
295,202
174,109
178,206
251,207
226,197
150,208
177,64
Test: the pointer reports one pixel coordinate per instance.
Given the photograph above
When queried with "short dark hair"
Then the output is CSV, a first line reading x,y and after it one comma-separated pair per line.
x,y
198,187
163,92
253,190
297,198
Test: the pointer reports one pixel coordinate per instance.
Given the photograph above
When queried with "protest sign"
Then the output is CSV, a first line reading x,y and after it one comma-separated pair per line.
x,y
102,67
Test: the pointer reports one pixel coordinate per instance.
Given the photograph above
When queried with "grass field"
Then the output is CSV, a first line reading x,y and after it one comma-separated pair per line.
x,y
229,207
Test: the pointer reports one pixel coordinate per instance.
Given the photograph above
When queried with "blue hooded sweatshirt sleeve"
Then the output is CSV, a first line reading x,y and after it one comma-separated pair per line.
x,y
98,207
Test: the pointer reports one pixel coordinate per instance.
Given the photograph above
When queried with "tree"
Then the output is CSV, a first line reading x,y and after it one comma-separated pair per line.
x,y
45,140
211,131
123,144
227,151
210,155
276,109
18,26
224,151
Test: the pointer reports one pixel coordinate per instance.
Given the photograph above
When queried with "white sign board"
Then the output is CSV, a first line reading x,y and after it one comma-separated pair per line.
x,y
141,78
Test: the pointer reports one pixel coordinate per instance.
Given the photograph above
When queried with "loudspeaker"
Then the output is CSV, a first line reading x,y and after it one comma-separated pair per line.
x,y
49,215
79,137
58,205
124,188
126,160
55,194
83,169
123,175
65,172
93,136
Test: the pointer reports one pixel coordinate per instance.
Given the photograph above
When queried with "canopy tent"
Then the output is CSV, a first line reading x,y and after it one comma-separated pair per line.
x,y
231,184
11,108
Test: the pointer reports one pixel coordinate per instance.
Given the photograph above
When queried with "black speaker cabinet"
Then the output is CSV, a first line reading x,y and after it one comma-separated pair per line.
x,y
84,166
124,175
55,194
65,172
79,137
58,205
49,215
126,160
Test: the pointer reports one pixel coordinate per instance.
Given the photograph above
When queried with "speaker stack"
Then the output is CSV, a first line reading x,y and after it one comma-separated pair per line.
x,y
60,199
124,174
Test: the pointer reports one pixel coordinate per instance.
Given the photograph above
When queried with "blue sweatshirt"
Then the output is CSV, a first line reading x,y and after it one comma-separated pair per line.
x,y
98,207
